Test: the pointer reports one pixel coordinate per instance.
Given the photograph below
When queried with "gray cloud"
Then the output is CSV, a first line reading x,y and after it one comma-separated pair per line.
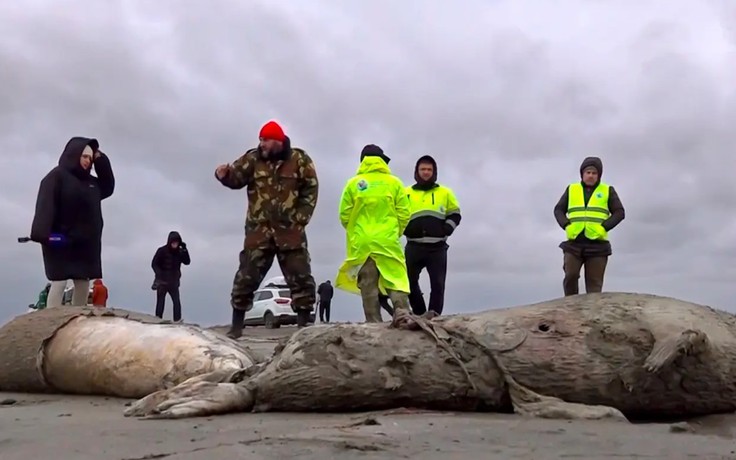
x,y
508,96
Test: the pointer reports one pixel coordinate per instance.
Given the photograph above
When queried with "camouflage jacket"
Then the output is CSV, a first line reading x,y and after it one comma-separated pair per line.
x,y
282,195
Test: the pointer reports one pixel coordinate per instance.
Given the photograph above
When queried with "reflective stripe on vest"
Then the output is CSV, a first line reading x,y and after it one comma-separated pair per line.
x,y
429,203
588,218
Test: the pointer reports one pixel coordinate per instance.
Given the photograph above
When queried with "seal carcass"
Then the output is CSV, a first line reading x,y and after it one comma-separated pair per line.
x,y
112,352
619,355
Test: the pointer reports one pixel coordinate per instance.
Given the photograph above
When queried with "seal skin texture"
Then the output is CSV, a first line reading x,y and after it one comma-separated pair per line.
x,y
114,352
603,355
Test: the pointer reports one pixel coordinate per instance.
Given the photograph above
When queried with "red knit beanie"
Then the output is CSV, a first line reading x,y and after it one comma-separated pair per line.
x,y
272,130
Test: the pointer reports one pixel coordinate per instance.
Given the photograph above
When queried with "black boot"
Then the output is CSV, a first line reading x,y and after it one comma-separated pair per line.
x,y
236,329
302,318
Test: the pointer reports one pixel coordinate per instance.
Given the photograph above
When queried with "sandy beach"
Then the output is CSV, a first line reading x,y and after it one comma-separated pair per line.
x,y
81,428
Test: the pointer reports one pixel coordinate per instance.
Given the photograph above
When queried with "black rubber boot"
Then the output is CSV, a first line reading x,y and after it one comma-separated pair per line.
x,y
302,318
236,329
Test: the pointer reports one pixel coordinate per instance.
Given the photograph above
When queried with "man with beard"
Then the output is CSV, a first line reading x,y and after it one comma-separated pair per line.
x,y
435,214
282,193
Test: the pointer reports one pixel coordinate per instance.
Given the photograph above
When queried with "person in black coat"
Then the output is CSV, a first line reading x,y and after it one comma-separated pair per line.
x,y
166,264
68,218
325,293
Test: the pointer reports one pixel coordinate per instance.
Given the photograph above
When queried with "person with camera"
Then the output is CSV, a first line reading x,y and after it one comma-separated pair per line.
x,y
166,264
68,218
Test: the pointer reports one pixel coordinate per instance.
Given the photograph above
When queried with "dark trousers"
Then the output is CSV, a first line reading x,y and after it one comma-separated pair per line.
x,y
383,301
595,269
434,259
254,265
324,310
173,292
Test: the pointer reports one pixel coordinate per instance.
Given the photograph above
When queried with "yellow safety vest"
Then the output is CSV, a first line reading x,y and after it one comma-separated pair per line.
x,y
588,218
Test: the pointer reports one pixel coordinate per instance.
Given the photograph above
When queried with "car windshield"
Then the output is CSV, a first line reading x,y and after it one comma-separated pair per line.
x,y
285,293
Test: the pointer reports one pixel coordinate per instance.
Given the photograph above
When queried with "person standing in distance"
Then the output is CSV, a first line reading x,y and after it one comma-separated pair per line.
x,y
68,218
435,214
166,265
587,211
282,193
325,292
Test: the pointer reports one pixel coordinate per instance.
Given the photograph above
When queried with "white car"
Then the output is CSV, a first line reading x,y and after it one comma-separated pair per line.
x,y
272,306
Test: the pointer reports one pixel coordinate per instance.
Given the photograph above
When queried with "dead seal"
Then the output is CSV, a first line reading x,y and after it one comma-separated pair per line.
x,y
112,352
608,355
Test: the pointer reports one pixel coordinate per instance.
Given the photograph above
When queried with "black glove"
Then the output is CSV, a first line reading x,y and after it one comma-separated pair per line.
x,y
183,245
449,229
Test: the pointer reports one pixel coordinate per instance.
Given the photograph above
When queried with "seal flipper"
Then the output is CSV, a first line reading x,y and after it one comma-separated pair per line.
x,y
207,398
529,403
192,386
667,350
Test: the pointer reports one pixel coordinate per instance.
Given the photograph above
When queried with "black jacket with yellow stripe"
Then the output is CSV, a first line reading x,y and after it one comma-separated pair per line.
x,y
435,212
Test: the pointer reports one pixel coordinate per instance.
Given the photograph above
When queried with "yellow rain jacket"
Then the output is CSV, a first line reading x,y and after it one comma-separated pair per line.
x,y
374,210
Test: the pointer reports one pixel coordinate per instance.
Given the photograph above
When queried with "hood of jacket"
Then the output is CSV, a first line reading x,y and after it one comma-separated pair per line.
x,y
173,236
421,183
72,154
373,164
592,161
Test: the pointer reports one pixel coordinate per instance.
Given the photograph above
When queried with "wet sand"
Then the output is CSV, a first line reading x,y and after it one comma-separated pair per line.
x,y
56,426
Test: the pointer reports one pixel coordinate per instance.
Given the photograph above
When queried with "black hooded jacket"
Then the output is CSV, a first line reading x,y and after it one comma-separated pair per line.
x,y
423,225
421,184
582,245
167,261
69,203
325,291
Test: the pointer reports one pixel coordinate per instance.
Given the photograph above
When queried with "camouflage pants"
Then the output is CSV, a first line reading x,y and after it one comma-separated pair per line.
x,y
368,285
254,265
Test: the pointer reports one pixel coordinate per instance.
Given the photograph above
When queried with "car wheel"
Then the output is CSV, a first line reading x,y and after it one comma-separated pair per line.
x,y
269,320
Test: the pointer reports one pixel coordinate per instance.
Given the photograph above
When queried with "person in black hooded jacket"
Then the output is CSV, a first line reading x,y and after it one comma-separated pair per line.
x,y
435,214
68,218
587,211
166,264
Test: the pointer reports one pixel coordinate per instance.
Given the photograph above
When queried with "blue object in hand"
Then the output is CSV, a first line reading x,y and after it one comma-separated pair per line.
x,y
56,239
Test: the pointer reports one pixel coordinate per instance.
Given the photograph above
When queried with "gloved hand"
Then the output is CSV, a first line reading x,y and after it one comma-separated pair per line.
x,y
183,246
449,229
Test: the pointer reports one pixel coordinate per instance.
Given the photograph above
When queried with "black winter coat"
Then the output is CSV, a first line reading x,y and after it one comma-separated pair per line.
x,y
325,291
167,261
69,203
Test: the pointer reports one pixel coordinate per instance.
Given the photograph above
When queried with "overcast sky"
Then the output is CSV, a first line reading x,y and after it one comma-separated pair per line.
x,y
508,96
